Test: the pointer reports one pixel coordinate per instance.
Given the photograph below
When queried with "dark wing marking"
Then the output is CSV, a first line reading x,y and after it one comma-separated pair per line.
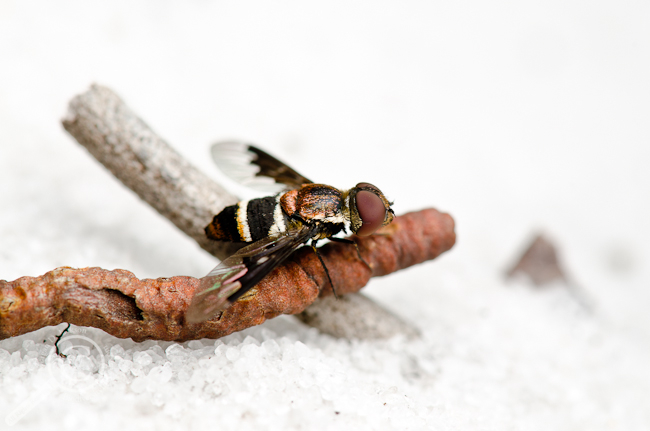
x,y
255,168
237,274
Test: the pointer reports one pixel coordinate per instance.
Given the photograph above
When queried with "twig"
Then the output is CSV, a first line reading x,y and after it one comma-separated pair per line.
x,y
355,316
124,306
58,338
100,121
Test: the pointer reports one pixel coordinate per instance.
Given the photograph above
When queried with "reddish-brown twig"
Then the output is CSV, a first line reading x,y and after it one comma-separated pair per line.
x,y
124,306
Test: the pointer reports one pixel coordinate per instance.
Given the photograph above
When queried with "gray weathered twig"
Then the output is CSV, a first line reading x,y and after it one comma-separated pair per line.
x,y
100,121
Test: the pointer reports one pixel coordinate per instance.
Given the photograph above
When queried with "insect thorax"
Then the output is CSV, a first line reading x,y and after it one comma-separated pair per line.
x,y
314,202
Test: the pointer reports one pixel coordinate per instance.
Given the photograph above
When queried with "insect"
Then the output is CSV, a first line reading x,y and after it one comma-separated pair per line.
x,y
302,212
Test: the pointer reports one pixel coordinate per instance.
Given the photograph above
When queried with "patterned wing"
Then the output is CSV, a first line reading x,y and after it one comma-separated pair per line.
x,y
237,274
255,168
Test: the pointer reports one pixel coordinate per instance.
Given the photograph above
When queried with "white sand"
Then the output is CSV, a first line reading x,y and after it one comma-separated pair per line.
x,y
513,117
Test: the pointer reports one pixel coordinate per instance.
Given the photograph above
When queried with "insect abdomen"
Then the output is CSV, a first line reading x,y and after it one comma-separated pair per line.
x,y
248,221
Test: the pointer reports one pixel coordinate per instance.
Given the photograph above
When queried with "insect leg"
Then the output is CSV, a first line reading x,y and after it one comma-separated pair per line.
x,y
313,246
350,241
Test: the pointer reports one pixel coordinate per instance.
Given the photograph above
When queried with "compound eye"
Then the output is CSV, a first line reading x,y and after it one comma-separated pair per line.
x,y
366,186
371,210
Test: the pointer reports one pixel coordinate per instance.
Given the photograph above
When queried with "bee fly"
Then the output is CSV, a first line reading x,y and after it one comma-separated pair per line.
x,y
277,225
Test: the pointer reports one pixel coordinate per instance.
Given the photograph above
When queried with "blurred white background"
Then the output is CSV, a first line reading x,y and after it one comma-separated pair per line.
x,y
515,117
